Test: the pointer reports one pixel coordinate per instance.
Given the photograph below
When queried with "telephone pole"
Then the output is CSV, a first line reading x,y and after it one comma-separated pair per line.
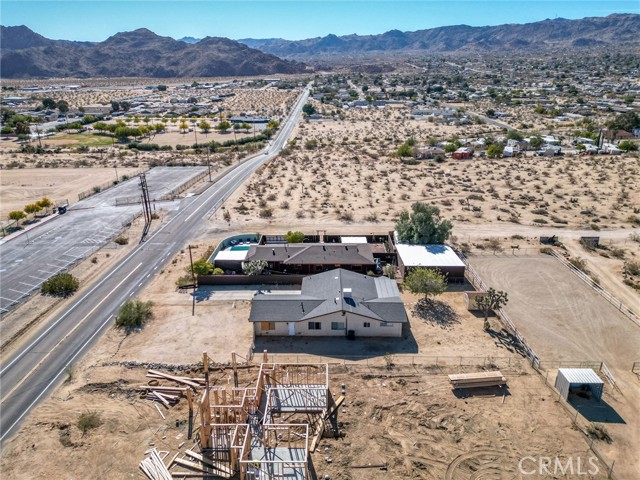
x,y
146,205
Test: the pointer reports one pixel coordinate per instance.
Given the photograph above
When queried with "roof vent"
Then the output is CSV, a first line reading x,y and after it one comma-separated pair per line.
x,y
346,292
273,251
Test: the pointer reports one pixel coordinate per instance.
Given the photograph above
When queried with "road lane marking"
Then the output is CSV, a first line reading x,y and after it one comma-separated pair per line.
x,y
44,390
24,377
46,332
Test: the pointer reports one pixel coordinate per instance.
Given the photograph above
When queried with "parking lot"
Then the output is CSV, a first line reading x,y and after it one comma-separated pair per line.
x,y
56,246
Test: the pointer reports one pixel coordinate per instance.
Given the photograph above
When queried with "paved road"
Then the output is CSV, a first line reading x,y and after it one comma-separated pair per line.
x,y
31,374
29,260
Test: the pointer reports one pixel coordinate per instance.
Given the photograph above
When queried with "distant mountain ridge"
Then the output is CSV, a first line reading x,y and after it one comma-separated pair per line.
x,y
613,30
140,53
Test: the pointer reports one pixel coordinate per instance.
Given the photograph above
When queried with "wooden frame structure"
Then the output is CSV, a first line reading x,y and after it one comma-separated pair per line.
x,y
249,431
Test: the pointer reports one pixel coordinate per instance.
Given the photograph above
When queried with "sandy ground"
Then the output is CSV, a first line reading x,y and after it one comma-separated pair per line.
x,y
563,319
351,175
406,416
22,186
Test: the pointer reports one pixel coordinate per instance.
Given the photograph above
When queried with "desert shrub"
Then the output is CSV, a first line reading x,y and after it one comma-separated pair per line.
x,y
134,314
294,237
88,421
598,432
266,212
121,240
579,263
184,280
200,267
546,250
217,271
632,267
541,221
60,285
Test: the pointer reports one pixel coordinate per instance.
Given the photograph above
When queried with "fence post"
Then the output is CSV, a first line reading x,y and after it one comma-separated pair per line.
x,y
611,469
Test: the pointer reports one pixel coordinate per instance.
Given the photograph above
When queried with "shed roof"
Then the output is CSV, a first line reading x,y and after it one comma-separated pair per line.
x,y
580,375
428,256
313,253
237,255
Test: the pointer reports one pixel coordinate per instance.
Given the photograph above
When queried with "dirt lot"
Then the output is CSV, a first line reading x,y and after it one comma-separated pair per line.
x,y
27,185
563,319
406,416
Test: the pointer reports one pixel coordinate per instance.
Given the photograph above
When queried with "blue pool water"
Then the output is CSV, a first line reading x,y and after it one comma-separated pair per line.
x,y
240,247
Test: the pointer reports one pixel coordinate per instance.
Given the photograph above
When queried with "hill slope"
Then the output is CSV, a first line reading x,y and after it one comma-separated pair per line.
x,y
613,30
141,53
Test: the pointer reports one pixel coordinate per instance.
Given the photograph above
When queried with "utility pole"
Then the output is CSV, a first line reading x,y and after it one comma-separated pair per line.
x,y
193,279
146,205
115,166
208,164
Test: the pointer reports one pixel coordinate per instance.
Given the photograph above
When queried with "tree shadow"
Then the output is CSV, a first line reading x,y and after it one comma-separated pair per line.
x,y
436,312
202,294
506,339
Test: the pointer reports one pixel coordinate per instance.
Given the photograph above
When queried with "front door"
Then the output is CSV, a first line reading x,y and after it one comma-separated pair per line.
x,y
292,329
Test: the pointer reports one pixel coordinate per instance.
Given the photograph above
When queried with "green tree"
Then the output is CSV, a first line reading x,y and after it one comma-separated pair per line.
x,y
294,237
254,267
162,88
223,126
272,125
17,215
159,127
492,300
309,109
32,208
60,285
134,314
101,127
495,150
405,150
625,121
204,126
423,225
44,203
48,103
22,128
536,142
200,267
514,135
425,281
627,146
63,106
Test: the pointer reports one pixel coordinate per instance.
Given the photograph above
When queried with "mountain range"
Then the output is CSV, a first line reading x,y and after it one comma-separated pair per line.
x,y
613,30
140,53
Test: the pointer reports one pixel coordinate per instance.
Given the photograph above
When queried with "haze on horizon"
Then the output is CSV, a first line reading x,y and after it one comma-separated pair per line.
x,y
95,20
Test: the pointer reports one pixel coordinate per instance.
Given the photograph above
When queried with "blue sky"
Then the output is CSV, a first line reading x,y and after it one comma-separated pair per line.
x,y
96,20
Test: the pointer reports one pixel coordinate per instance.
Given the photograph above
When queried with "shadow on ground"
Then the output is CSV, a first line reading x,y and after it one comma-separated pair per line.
x,y
496,391
436,313
594,411
339,347
507,340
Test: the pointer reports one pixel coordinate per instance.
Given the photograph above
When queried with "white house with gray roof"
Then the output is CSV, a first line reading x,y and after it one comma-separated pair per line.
x,y
334,303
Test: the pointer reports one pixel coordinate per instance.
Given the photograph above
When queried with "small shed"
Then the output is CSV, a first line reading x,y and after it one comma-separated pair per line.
x,y
577,379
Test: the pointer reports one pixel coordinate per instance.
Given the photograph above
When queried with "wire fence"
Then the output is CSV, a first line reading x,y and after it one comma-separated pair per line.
x,y
589,281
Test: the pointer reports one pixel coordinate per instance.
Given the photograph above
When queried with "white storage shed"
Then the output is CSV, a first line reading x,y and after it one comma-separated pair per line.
x,y
579,378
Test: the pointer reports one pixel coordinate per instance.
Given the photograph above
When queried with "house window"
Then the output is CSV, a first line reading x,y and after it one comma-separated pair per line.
x,y
315,326
367,324
386,324
264,326
337,325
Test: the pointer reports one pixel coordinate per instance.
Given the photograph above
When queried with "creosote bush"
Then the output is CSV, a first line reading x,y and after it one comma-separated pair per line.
x,y
60,285
134,314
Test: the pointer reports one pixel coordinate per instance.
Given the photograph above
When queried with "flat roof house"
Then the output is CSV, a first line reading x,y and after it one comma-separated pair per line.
x,y
335,303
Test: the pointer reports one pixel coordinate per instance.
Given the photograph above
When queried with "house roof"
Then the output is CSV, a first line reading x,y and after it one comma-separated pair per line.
x,y
313,254
428,256
330,292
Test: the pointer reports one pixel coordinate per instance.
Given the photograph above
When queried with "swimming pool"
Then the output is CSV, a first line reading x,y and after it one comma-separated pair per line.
x,y
239,247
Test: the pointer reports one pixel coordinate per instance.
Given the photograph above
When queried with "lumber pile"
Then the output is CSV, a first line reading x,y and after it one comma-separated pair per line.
x,y
477,380
167,395
153,466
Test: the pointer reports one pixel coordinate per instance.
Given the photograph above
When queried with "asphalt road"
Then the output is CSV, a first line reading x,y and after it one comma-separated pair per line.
x,y
32,373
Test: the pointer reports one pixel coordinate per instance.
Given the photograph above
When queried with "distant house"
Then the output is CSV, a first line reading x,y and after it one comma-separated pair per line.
x,y
308,258
335,303
463,153
429,152
246,119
